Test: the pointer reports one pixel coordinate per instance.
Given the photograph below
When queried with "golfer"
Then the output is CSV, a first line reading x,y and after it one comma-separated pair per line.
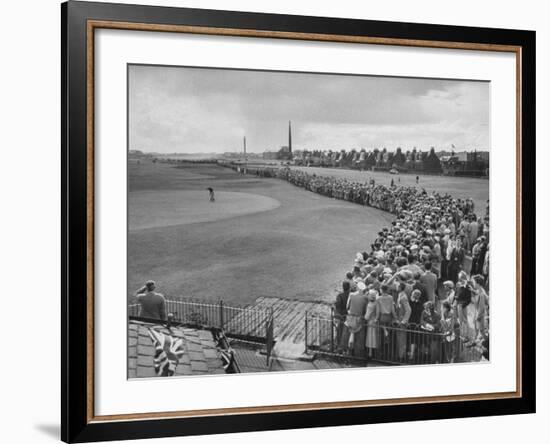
x,y
211,194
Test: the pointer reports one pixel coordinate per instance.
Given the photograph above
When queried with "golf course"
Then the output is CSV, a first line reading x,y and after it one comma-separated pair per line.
x,y
260,237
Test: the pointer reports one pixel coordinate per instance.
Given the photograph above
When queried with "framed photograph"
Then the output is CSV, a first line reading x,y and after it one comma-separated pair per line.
x,y
275,221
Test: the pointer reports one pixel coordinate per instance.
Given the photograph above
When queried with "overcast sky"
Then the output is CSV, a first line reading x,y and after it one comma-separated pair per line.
x,y
192,110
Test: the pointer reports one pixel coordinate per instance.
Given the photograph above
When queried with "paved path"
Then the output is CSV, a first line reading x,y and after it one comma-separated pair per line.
x,y
289,321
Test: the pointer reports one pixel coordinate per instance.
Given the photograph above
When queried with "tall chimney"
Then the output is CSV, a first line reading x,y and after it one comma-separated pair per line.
x,y
289,138
244,145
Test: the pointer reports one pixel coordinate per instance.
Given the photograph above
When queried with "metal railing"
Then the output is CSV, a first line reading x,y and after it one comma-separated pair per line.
x,y
246,323
389,344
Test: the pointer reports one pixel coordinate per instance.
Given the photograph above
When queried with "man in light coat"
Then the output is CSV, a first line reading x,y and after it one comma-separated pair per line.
x,y
429,280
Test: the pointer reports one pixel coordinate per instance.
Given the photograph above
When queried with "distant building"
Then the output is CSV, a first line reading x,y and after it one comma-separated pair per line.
x,y
462,156
478,156
232,155
270,155
284,153
472,163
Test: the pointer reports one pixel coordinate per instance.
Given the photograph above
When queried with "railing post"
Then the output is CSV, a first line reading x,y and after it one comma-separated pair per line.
x,y
305,335
269,336
221,314
332,329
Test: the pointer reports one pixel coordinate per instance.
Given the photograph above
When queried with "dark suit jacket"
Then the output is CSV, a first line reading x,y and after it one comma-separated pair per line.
x,y
340,306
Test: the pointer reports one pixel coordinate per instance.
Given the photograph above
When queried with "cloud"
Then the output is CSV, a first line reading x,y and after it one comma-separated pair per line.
x,y
178,109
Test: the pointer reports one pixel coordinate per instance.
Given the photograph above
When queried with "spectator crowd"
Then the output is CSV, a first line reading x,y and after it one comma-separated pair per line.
x,y
427,272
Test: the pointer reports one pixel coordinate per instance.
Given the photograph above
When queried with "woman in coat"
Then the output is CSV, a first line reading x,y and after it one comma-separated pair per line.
x,y
372,316
436,257
357,304
403,313
417,306
430,322
480,303
449,327
455,259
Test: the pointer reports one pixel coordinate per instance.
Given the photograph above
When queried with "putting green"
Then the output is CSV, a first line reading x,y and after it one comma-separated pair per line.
x,y
164,208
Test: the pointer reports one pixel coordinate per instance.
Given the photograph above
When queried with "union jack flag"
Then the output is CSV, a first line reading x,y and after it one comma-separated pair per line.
x,y
168,351
226,352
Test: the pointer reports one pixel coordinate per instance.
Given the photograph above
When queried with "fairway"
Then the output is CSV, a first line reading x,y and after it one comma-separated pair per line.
x,y
262,237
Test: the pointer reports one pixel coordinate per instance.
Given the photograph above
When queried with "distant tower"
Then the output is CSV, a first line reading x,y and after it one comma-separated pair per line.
x,y
244,145
289,138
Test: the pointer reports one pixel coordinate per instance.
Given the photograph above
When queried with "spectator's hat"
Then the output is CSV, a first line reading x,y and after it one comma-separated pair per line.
x,y
405,275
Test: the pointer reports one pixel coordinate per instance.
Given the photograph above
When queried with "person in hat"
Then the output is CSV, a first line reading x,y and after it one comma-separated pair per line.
x,y
430,321
372,317
449,326
429,280
485,270
417,306
463,229
340,309
478,255
480,303
403,314
463,298
152,304
448,293
387,311
436,257
473,230
412,265
455,256
357,306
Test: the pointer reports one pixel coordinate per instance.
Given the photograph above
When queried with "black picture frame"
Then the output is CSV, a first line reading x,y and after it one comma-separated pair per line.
x,y
76,423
